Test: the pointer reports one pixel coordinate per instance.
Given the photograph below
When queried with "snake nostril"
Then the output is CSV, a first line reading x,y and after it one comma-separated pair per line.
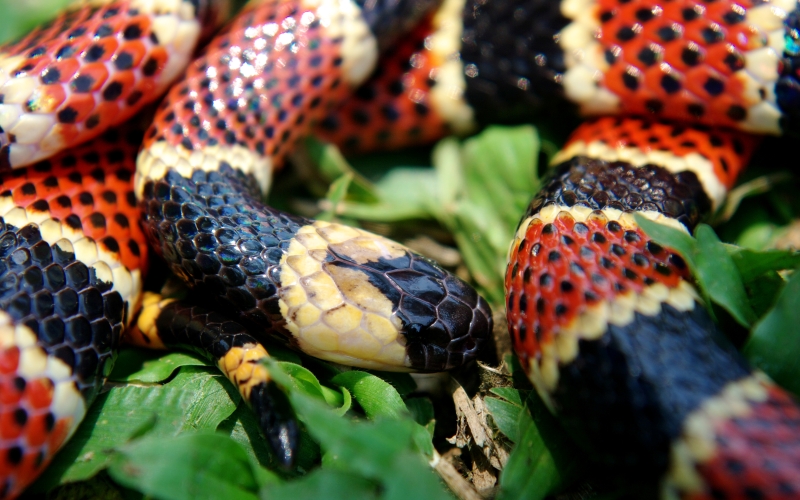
x,y
470,344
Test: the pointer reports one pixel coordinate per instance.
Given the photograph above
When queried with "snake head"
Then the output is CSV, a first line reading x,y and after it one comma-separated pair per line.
x,y
359,299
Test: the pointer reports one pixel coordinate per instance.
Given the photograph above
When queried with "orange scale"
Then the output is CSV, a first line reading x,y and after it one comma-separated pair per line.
x,y
695,31
39,393
109,44
68,132
717,55
36,432
9,428
9,361
719,108
631,50
46,98
674,53
746,37
143,22
97,71
160,56
9,394
82,104
146,87
125,78
698,77
613,81
135,48
6,468
27,469
107,112
66,68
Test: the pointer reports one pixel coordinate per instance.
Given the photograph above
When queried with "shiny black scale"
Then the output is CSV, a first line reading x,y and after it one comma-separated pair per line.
x,y
599,184
218,238
512,61
75,315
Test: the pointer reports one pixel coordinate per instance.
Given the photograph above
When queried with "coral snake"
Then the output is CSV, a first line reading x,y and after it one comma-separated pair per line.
x,y
607,324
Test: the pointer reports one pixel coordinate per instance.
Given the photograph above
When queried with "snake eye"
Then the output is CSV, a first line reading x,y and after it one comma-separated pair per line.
x,y
356,298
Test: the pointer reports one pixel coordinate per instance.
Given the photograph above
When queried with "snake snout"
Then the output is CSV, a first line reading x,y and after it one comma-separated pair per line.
x,y
360,299
445,321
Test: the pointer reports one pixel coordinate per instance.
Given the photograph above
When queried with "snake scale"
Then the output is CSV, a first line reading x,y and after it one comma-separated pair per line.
x,y
606,323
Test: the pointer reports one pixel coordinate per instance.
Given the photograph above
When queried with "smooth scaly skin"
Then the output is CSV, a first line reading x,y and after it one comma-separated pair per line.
x,y
590,300
73,253
335,292
377,304
481,67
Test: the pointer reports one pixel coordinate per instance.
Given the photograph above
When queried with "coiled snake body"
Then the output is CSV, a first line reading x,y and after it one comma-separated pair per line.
x,y
606,323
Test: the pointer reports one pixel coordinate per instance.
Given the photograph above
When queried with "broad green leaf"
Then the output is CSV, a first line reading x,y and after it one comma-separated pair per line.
x,y
667,236
544,457
329,484
720,277
375,396
774,345
403,193
187,467
334,166
752,264
145,366
337,399
505,416
403,383
385,451
530,472
336,193
421,409
449,174
303,379
763,291
195,399
508,393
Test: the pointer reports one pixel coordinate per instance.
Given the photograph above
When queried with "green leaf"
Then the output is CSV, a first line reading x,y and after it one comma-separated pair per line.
x,y
774,345
195,399
544,457
375,396
336,193
421,409
145,366
325,483
720,277
753,263
385,451
403,193
508,393
505,416
334,166
303,379
191,466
